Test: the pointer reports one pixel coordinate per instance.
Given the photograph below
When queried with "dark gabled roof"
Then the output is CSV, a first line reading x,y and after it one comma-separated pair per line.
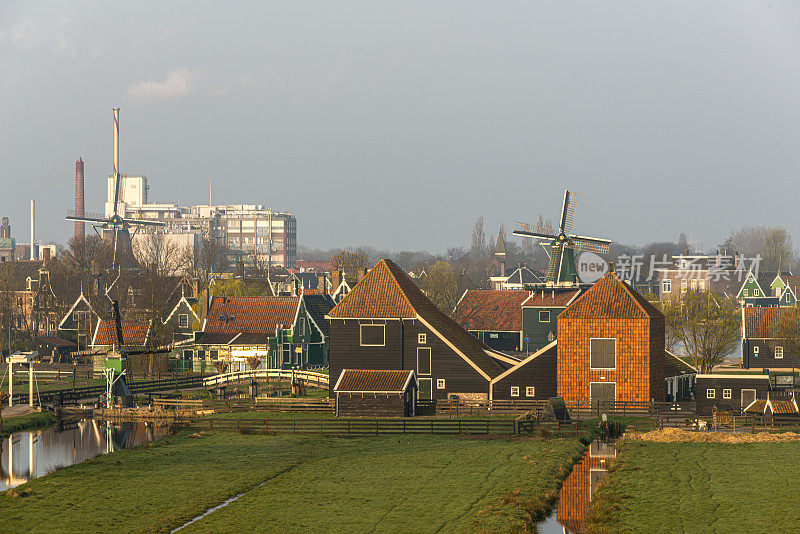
x,y
550,298
56,341
491,309
674,366
318,306
373,380
523,275
759,321
765,278
133,333
250,339
19,271
388,293
610,298
214,338
254,315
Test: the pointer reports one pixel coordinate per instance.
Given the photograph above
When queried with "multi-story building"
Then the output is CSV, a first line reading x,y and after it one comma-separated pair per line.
x,y
251,232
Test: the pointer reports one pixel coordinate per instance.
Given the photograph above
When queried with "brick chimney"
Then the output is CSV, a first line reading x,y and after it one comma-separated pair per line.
x,y
46,255
362,272
321,283
336,280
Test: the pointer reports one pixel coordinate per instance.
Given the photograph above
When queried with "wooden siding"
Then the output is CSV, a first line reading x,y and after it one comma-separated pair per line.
x,y
536,331
540,373
370,404
639,372
736,384
766,356
400,352
502,341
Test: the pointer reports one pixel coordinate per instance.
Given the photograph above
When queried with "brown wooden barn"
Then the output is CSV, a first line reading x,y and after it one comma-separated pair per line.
x,y
386,322
611,346
376,392
729,391
534,378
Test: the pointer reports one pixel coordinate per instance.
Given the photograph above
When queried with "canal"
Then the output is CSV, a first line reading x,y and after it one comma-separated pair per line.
x,y
28,455
576,492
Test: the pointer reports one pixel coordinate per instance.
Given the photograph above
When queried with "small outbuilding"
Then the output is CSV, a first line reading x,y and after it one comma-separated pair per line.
x,y
729,391
376,393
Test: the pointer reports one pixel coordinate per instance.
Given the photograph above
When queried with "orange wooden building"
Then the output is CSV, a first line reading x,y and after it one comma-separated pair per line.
x,y
611,346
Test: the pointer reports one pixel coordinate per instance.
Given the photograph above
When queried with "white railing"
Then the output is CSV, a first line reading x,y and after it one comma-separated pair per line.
x,y
317,379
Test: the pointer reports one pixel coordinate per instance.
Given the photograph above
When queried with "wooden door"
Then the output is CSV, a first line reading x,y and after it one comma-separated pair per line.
x,y
425,388
604,393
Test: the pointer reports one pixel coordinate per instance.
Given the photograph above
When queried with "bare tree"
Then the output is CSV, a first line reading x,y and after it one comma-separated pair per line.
x,y
441,286
777,252
786,333
478,246
349,262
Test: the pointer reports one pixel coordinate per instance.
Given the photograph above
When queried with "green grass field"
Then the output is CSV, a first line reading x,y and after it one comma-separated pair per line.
x,y
31,421
383,484
700,487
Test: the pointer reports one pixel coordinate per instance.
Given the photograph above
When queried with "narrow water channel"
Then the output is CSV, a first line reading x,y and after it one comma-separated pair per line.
x,y
28,455
576,493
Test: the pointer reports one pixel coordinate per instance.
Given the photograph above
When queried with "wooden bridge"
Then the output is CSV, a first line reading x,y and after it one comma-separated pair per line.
x,y
309,377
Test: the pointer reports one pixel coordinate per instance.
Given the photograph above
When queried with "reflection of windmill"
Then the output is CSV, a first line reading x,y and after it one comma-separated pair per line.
x,y
115,228
562,246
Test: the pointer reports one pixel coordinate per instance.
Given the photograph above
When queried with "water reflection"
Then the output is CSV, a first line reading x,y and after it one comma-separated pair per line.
x,y
28,455
576,493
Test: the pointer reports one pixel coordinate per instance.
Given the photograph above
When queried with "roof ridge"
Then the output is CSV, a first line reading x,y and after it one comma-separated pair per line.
x,y
399,285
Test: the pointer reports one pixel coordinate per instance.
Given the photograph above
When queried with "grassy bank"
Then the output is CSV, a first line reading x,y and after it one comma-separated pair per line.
x,y
31,421
699,487
387,483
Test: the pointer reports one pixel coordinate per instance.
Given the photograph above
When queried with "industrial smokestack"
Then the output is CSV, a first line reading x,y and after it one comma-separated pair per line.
x,y
33,229
80,228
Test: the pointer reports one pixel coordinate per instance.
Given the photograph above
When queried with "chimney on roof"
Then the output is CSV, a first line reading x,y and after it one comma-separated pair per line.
x,y
45,255
686,251
502,265
321,283
362,272
336,280
736,260
294,287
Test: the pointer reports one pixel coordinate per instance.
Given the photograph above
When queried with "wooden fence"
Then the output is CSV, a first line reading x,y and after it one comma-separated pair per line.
x,y
262,404
373,427
665,410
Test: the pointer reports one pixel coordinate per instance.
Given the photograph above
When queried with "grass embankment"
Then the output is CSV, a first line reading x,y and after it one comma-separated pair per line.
x,y
391,483
31,421
274,414
699,487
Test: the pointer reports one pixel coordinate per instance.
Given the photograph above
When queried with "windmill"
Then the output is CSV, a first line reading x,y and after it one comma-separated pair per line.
x,y
115,228
563,244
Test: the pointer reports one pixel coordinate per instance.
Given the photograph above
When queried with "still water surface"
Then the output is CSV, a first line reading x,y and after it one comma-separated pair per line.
x,y
28,455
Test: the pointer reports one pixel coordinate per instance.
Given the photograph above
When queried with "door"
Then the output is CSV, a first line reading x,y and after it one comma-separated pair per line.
x,y
425,389
748,396
423,361
603,394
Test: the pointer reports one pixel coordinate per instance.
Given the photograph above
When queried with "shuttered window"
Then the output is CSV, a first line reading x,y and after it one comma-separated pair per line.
x,y
373,335
603,353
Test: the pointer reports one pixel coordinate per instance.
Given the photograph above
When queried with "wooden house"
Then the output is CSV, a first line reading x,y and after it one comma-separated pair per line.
x,y
80,321
540,313
134,335
533,378
679,379
759,349
611,346
373,392
54,349
493,316
729,391
386,322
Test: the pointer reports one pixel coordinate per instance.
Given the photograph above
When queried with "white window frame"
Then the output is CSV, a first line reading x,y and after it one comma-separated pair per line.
x,y
702,285
778,353
181,316
684,285
361,335
694,284
530,391
756,292
711,393
515,391
422,339
756,350
727,393
745,292
666,285
440,383
430,360
615,355
546,314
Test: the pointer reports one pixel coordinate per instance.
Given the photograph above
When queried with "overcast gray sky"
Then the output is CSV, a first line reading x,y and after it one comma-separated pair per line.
x,y
397,124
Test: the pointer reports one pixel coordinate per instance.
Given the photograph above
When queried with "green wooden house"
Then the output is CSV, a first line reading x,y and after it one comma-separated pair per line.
x,y
540,315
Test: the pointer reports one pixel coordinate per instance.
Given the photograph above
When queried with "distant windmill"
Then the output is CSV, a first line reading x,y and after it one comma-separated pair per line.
x,y
115,227
562,245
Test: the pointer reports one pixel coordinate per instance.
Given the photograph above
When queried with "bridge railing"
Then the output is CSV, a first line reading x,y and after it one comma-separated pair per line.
x,y
317,379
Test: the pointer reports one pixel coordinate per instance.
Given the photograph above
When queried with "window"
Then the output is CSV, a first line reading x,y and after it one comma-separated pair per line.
x,y
373,335
515,391
440,383
757,292
694,285
423,360
726,393
666,285
214,354
702,285
530,391
187,354
778,353
746,292
603,353
422,339
684,285
183,320
711,393
755,351
28,281
301,326
544,316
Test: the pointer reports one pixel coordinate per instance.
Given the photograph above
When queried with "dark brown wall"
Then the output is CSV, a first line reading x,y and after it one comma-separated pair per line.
x,y
377,405
766,356
736,385
539,372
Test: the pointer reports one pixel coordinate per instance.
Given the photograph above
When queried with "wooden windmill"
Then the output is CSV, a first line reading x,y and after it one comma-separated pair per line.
x,y
115,228
562,244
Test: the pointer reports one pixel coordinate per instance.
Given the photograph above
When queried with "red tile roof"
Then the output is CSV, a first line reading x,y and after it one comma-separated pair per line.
x,y
491,309
783,406
388,293
254,315
550,298
759,322
133,333
371,380
610,298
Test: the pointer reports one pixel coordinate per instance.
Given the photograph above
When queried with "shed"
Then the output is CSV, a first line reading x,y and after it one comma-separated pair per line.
x,y
376,392
729,391
57,349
